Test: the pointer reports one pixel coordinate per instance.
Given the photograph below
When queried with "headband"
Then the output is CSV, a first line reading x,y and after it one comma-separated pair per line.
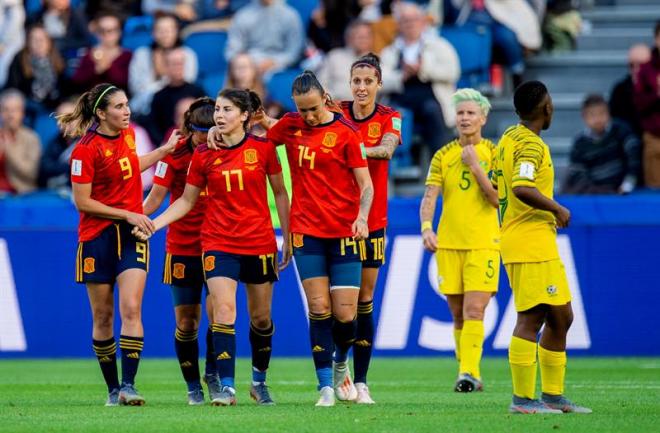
x,y
199,128
96,104
368,65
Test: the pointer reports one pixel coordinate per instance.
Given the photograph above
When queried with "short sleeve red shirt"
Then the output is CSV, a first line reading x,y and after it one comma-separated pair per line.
x,y
382,121
326,197
112,166
183,236
237,218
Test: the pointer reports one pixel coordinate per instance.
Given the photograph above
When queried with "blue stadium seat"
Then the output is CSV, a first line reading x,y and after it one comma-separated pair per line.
x,y
402,157
279,87
473,45
212,83
210,50
304,8
46,128
137,32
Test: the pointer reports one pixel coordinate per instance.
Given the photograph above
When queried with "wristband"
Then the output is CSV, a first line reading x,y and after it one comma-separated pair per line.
x,y
427,225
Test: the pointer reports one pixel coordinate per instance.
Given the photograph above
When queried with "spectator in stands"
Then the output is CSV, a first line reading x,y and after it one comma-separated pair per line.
x,y
329,22
513,24
12,37
561,26
335,72
185,10
107,62
420,71
216,9
66,26
54,167
622,105
243,73
20,148
146,73
165,100
647,100
38,72
122,8
269,31
605,157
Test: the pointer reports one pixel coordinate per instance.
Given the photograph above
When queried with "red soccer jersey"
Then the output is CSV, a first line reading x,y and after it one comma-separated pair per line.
x,y
111,165
237,218
326,197
373,127
183,236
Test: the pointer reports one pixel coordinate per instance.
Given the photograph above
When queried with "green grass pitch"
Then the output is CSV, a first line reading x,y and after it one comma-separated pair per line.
x,y
413,395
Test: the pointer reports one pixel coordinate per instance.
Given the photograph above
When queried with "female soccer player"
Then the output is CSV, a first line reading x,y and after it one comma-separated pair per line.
x,y
237,235
107,190
380,127
183,260
467,244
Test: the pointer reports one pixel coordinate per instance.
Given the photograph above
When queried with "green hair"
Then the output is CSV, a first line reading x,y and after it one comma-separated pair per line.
x,y
465,95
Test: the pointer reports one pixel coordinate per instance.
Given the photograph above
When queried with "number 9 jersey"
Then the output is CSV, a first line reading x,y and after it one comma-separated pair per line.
x,y
112,166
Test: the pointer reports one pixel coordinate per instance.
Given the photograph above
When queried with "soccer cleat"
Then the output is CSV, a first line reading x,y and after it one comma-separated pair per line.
x,y
129,396
468,383
326,398
343,383
363,396
113,398
559,402
196,397
260,394
529,406
226,397
213,385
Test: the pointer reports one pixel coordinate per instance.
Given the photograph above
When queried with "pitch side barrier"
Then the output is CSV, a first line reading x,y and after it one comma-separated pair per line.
x,y
611,253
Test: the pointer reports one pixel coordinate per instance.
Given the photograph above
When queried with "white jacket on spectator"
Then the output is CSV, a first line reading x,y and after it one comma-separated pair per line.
x,y
439,66
267,32
12,35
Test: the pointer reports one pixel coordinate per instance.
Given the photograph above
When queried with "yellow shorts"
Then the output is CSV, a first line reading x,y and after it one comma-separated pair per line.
x,y
538,283
461,271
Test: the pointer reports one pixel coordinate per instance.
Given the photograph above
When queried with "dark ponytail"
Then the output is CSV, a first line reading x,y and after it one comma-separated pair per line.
x,y
306,82
82,117
369,61
246,100
199,115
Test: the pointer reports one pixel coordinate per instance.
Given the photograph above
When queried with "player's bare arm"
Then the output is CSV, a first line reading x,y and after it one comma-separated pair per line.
x,y
426,212
154,199
385,149
175,212
360,227
532,197
283,209
149,159
470,158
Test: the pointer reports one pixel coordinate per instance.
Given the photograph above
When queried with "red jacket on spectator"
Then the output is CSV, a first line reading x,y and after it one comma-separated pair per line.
x,y
647,94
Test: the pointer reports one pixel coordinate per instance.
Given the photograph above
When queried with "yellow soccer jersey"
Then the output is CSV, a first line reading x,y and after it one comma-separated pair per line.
x,y
528,234
468,221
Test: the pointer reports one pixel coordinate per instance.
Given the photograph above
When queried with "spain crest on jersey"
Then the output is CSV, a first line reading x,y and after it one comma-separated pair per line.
x,y
329,139
250,156
374,130
179,270
130,142
88,265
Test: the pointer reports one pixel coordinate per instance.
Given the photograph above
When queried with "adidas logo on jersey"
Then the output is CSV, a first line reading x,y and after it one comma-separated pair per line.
x,y
317,349
223,356
298,133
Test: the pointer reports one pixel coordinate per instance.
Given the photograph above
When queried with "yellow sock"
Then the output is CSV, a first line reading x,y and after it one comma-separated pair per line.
x,y
472,341
553,370
522,359
457,340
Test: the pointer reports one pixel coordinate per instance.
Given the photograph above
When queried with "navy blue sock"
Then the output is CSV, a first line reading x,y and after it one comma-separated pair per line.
x,y
106,353
320,335
187,352
343,334
364,340
261,343
210,368
131,350
224,345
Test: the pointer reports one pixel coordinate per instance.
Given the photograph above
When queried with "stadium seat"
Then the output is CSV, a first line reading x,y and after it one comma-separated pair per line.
x,y
210,48
46,128
212,83
473,45
402,157
137,32
304,8
279,87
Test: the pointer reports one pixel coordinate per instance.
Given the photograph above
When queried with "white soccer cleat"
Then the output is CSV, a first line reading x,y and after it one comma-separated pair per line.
x,y
363,396
343,383
326,398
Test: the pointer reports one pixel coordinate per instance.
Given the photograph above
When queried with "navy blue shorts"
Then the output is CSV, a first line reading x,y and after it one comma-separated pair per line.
x,y
374,247
112,252
339,259
258,269
185,276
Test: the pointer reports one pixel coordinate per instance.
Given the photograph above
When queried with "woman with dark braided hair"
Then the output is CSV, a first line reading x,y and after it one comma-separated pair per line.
x,y
107,191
